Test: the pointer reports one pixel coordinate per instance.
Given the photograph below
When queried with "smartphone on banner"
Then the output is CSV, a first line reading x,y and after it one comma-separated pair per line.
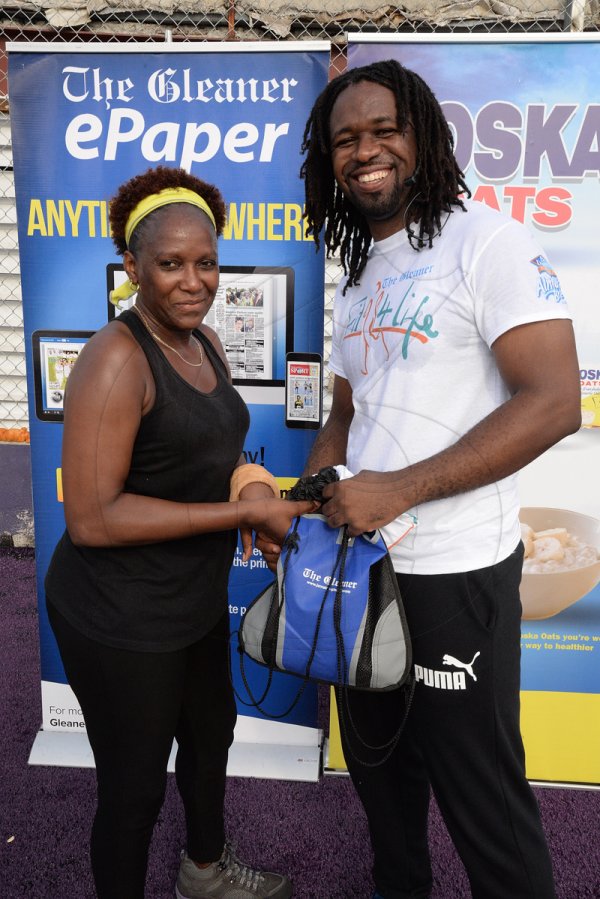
x,y
303,390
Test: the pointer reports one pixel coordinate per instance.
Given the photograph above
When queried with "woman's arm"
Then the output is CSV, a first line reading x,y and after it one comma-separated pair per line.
x,y
108,391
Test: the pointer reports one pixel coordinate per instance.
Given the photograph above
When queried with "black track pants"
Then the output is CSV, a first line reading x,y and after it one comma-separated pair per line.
x,y
462,738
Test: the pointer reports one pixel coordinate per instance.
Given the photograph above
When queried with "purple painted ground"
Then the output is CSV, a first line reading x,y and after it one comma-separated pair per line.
x,y
314,832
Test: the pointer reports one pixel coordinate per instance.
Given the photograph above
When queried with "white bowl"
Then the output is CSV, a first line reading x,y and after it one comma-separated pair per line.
x,y
543,595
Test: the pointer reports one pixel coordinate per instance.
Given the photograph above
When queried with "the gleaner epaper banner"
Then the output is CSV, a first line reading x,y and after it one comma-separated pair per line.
x,y
84,119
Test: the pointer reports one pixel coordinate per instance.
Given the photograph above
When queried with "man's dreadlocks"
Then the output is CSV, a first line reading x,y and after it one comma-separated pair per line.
x,y
439,181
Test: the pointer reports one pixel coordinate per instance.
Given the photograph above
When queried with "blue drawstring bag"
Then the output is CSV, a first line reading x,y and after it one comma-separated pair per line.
x,y
334,613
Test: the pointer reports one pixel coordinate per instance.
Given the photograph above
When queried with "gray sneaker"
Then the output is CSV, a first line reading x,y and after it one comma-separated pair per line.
x,y
228,878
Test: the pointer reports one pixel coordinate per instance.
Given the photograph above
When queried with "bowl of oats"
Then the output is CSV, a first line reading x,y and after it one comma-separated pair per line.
x,y
562,559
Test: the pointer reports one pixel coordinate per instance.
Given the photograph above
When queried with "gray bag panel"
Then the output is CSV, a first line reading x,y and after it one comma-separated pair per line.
x,y
389,649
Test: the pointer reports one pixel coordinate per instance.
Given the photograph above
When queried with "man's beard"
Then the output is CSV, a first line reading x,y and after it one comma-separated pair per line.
x,y
377,207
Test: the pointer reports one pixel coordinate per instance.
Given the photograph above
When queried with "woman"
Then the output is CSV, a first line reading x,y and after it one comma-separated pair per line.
x,y
137,586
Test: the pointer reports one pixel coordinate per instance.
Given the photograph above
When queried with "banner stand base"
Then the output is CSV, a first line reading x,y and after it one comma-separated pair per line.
x,y
265,760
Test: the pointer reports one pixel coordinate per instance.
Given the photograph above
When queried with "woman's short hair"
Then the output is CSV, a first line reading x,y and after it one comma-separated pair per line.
x,y
131,192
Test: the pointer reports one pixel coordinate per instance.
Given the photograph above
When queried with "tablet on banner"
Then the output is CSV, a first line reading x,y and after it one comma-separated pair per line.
x,y
54,355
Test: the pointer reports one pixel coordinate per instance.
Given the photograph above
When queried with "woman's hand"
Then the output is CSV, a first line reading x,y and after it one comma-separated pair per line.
x,y
271,519
270,550
255,491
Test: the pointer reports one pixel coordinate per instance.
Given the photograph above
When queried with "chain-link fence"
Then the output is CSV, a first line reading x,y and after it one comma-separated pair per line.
x,y
234,20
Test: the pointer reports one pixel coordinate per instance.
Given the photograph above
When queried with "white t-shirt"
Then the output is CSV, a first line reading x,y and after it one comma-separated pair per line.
x,y
413,340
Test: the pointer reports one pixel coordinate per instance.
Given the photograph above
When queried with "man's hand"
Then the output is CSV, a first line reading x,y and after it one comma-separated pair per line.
x,y
365,502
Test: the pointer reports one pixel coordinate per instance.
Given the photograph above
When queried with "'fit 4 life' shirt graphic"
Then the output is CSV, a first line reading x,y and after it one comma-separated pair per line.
x,y
391,312
414,341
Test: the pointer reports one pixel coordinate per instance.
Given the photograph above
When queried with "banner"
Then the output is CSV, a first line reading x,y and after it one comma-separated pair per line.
x,y
526,123
84,119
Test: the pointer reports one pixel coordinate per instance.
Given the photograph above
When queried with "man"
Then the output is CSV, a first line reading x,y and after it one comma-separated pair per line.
x,y
455,366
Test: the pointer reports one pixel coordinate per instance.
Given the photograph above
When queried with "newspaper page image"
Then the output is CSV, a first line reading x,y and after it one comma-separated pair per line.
x,y
242,316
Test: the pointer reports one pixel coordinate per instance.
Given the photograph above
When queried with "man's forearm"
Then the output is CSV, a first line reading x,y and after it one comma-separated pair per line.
x,y
501,444
329,448
331,443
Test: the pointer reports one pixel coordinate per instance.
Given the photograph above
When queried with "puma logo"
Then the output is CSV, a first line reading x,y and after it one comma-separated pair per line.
x,y
468,666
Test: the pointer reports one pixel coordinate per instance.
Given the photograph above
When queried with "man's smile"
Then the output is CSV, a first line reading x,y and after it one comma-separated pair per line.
x,y
371,177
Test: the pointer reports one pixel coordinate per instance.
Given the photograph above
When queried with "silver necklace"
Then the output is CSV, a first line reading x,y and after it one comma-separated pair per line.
x,y
168,345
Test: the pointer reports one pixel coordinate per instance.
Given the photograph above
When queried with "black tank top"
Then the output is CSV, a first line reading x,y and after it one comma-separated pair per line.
x,y
162,596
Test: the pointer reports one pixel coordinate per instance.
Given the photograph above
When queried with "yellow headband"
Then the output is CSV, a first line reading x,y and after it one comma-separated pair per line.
x,y
163,198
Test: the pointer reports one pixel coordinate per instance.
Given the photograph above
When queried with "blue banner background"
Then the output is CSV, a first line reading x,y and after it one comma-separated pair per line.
x,y
64,273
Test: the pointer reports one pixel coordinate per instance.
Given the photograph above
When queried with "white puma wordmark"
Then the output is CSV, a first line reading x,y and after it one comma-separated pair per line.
x,y
447,680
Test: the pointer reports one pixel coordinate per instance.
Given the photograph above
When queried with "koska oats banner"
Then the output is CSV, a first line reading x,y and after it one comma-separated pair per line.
x,y
525,117
87,117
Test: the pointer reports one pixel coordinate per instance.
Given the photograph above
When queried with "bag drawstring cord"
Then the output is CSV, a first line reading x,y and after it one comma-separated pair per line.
x,y
291,543
342,688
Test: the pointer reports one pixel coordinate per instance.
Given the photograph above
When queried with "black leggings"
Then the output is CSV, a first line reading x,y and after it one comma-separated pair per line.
x,y
134,704
461,737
